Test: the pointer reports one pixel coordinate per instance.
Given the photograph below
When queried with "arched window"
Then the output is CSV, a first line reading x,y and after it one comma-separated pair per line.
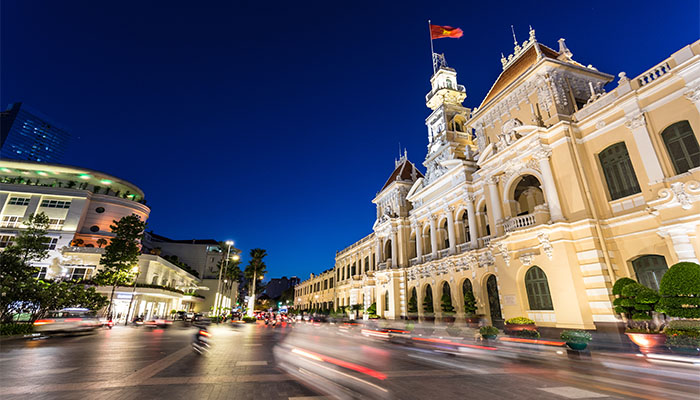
x,y
682,146
618,171
538,289
649,270
447,236
465,225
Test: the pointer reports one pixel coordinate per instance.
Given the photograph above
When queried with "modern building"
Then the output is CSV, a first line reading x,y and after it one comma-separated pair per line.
x,y
28,135
541,197
202,255
81,205
277,286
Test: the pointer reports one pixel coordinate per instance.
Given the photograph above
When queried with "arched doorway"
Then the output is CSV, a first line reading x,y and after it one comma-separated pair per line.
x,y
494,301
527,194
428,301
649,270
412,306
446,299
469,299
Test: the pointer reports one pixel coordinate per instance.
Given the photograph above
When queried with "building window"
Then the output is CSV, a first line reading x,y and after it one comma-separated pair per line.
x,y
56,224
100,210
94,228
649,270
51,244
538,289
330,283
18,201
5,241
41,274
55,204
618,171
682,146
79,273
386,301
11,221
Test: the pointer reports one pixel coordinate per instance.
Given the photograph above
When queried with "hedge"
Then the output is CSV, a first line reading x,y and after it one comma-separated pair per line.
x,y
680,291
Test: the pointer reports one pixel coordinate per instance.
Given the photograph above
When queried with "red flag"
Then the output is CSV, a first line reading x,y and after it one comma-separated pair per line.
x,y
437,32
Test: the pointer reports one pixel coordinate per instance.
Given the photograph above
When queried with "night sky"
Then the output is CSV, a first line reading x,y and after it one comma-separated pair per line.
x,y
275,123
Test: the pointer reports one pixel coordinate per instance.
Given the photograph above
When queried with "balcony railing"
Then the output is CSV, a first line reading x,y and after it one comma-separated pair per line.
x,y
485,241
461,248
654,73
516,223
427,257
443,253
459,88
414,261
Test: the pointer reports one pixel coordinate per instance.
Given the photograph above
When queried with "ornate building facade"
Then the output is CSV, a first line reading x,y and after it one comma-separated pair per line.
x,y
538,199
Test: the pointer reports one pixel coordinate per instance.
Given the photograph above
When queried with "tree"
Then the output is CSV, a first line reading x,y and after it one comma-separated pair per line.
x,y
428,302
101,242
31,242
18,288
121,254
256,267
446,303
413,302
77,242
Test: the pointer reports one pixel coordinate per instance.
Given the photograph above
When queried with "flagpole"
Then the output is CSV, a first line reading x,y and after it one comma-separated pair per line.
x,y
432,52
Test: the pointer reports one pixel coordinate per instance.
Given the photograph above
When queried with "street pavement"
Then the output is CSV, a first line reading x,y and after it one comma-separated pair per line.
x,y
307,361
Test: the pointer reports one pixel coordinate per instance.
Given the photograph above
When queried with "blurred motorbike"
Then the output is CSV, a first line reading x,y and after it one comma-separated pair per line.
x,y
200,342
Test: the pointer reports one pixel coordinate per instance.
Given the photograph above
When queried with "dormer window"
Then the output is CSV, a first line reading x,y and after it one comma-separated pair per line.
x,y
448,83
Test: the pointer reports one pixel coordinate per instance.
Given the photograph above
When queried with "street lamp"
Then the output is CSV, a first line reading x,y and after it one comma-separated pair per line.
x,y
137,271
219,299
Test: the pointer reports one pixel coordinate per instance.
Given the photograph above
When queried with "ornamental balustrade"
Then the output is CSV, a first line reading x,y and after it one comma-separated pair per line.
x,y
458,88
516,223
654,73
485,241
414,261
461,248
443,253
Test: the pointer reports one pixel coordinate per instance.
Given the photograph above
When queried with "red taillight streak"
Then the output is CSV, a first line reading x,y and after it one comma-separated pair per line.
x,y
44,322
533,341
73,319
348,365
443,341
205,333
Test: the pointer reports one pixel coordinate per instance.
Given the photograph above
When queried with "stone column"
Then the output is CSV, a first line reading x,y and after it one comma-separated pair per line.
x,y
495,208
471,216
451,229
419,242
394,246
550,189
637,124
378,249
433,236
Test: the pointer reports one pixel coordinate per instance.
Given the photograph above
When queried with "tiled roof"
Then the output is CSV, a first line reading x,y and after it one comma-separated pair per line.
x,y
517,68
403,172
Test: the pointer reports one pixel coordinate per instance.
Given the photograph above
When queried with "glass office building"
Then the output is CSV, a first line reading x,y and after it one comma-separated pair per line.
x,y
28,135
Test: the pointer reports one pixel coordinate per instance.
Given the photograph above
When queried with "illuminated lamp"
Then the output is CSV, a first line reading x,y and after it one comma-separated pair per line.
x,y
105,182
84,176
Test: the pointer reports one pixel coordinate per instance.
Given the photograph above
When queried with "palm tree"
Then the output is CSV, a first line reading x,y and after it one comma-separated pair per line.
x,y
101,242
255,270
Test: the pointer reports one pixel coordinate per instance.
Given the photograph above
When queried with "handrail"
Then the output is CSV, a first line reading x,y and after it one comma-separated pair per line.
x,y
516,223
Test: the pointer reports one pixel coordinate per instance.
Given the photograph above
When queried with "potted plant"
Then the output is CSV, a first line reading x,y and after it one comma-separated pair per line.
x,y
412,307
470,307
521,327
636,304
448,311
488,332
576,339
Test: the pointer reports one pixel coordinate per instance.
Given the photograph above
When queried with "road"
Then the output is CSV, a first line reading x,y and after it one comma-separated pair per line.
x,y
130,363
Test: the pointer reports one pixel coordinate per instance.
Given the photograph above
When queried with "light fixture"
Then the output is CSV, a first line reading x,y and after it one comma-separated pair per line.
x,y
236,257
42,173
229,243
84,176
105,182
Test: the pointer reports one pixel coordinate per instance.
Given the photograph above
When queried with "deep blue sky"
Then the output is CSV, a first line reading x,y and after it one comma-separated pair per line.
x,y
275,124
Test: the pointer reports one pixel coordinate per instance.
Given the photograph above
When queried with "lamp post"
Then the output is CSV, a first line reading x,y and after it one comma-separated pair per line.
x,y
137,271
219,297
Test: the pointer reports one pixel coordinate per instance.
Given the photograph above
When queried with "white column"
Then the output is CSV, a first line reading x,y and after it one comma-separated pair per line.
x,y
394,246
637,124
419,242
433,236
451,229
549,187
681,243
378,249
471,215
495,209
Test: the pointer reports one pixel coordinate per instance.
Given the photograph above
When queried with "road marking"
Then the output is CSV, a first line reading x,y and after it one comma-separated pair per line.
x,y
52,371
248,363
154,368
571,392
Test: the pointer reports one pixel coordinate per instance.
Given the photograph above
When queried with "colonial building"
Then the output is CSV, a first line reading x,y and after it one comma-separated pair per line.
x,y
541,197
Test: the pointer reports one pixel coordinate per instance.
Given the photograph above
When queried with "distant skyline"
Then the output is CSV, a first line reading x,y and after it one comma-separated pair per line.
x,y
275,125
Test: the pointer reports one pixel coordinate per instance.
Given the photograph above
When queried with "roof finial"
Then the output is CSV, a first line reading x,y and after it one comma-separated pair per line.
x,y
515,41
532,34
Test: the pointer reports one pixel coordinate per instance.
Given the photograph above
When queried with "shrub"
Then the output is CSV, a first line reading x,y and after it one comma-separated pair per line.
x,y
576,336
621,283
16,329
469,303
249,320
520,321
488,330
527,333
683,324
680,291
635,300
446,304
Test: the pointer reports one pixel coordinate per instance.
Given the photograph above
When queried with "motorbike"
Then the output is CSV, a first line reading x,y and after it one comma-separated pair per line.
x,y
200,342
